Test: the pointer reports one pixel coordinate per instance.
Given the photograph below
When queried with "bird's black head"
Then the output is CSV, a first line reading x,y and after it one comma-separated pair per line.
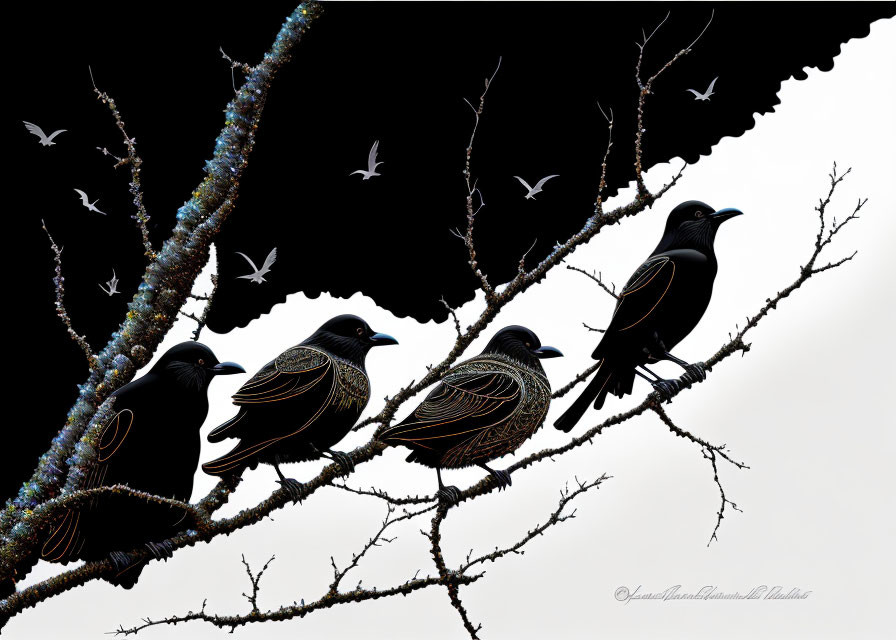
x,y
348,337
693,225
520,344
192,365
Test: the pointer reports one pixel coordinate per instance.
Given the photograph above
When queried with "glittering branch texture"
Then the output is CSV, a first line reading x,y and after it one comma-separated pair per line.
x,y
166,282
198,220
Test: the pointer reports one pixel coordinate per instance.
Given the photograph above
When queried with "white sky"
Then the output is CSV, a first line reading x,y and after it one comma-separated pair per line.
x,y
808,409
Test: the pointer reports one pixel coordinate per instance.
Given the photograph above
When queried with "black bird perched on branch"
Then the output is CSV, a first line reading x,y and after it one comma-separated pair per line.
x,y
660,305
152,445
300,404
482,409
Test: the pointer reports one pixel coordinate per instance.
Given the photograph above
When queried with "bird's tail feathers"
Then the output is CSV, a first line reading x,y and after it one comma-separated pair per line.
x,y
226,430
596,391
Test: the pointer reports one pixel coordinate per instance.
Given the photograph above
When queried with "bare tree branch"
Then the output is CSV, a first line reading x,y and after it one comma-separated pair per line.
x,y
201,319
446,576
59,283
468,237
597,278
141,217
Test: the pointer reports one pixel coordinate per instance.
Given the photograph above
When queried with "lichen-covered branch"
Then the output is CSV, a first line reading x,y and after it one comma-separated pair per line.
x,y
645,90
487,289
447,576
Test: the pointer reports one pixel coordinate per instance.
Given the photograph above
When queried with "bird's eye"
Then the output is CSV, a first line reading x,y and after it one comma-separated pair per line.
x,y
360,331
699,214
201,362
528,345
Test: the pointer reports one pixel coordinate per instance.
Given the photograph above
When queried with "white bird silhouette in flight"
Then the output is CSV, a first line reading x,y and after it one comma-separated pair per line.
x,y
258,276
704,96
91,206
112,284
45,140
372,164
538,185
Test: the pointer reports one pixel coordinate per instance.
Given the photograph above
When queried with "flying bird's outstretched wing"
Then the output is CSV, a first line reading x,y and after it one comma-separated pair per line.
x,y
371,157
524,183
711,85
84,200
269,261
541,182
251,264
696,93
33,128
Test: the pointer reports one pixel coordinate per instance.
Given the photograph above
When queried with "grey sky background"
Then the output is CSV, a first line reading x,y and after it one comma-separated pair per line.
x,y
809,409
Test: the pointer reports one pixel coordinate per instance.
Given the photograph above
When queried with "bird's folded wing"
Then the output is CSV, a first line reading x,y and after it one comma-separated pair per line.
x,y
643,293
294,373
459,408
63,542
302,377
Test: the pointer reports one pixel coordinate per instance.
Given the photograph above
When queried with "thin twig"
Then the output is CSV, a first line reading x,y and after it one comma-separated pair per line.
x,y
597,278
59,284
141,217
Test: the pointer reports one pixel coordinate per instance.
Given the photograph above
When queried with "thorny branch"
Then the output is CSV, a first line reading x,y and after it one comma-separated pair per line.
x,y
597,278
202,318
645,89
453,314
709,452
254,580
141,217
471,189
59,282
451,579
448,577
558,516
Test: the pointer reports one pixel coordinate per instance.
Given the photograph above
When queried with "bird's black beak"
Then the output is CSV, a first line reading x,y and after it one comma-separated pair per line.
x,y
226,369
547,352
382,339
721,215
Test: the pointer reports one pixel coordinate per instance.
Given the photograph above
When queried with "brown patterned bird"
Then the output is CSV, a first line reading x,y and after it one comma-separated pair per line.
x,y
482,409
300,404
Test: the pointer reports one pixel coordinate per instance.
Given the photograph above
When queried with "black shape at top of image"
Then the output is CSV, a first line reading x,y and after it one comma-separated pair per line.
x,y
393,72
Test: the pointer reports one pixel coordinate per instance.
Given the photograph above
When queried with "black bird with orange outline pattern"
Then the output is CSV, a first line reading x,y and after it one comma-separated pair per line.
x,y
152,445
482,409
660,305
300,404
